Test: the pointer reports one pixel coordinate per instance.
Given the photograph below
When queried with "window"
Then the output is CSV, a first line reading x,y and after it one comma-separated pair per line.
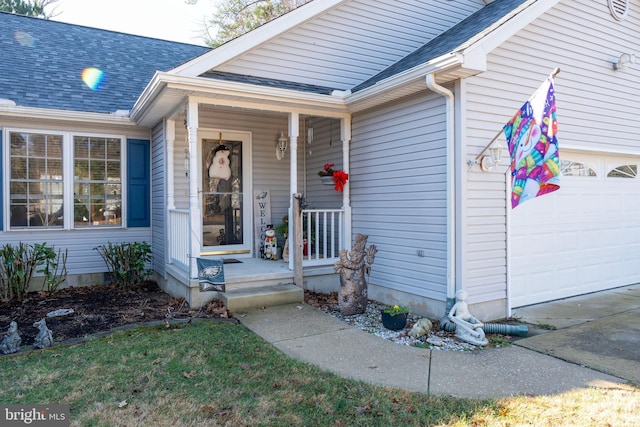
x,y
43,195
624,171
571,168
97,186
35,183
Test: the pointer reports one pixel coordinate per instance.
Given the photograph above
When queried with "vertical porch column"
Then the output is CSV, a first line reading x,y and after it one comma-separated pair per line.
x,y
345,136
295,256
170,138
195,216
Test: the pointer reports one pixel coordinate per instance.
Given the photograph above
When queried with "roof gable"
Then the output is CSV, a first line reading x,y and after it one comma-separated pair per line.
x,y
334,43
42,62
452,40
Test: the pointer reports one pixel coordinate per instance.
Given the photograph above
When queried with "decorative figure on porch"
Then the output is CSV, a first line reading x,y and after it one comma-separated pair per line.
x,y
11,341
270,244
468,328
45,337
352,266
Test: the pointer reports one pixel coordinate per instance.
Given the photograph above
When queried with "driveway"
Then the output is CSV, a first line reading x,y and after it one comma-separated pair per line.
x,y
600,331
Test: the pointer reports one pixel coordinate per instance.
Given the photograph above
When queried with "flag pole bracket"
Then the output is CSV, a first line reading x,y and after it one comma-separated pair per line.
x,y
488,163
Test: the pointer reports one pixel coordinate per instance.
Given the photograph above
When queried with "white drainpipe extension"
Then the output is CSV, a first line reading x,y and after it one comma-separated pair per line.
x,y
451,199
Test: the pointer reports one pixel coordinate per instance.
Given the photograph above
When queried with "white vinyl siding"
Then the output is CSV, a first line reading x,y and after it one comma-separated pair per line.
x,y
325,148
82,259
352,42
158,198
596,110
398,189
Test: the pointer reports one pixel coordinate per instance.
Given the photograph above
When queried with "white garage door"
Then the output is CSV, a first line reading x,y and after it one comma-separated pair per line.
x,y
585,237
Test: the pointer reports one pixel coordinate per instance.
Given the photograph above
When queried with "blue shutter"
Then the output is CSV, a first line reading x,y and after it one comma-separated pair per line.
x,y
138,183
1,186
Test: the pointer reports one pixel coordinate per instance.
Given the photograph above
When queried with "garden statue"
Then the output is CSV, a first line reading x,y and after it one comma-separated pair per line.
x,y
11,341
468,328
352,266
421,328
44,337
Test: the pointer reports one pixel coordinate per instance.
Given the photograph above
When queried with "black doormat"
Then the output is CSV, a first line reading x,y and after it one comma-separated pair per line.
x,y
231,261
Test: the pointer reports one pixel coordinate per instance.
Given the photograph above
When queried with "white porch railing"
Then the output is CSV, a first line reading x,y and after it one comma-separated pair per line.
x,y
323,230
179,232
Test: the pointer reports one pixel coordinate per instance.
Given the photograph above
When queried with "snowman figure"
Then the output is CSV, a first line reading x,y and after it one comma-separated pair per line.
x,y
270,246
219,167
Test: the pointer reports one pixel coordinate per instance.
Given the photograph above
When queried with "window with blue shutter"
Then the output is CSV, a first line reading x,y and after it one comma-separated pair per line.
x,y
138,183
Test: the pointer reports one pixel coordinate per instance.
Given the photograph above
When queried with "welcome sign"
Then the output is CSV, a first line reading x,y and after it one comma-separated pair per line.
x,y
262,215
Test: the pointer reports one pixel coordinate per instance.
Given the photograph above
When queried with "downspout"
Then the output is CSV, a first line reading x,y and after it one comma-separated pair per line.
x,y
445,322
450,139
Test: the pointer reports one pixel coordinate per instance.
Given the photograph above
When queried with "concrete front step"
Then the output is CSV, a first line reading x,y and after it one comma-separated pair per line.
x,y
237,300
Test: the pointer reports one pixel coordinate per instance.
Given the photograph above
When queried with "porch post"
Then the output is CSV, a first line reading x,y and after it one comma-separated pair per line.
x,y
345,136
170,138
295,247
195,221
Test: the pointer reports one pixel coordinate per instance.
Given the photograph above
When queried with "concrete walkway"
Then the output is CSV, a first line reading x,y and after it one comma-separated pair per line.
x,y
312,336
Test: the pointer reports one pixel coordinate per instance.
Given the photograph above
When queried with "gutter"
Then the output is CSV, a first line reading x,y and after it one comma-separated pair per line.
x,y
116,118
451,207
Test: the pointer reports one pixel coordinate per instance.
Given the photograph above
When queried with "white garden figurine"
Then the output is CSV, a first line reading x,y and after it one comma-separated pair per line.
x,y
468,328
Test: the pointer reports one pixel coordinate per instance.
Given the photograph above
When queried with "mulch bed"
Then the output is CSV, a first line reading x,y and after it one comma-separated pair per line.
x,y
98,309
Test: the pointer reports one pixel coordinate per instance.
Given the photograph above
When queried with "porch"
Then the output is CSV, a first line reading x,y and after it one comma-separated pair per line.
x,y
232,172
244,273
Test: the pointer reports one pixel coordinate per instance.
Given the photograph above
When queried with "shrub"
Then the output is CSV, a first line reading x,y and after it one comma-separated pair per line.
x,y
126,262
18,263
55,266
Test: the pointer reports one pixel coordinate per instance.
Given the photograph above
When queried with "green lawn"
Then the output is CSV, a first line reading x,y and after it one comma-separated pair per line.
x,y
210,373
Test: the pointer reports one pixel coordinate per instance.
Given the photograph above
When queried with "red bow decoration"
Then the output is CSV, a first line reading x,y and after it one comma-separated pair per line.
x,y
340,178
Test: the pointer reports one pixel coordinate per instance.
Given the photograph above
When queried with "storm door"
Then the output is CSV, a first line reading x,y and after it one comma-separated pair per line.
x,y
226,206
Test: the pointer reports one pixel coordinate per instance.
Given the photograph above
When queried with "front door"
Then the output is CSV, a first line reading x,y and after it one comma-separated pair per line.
x,y
226,203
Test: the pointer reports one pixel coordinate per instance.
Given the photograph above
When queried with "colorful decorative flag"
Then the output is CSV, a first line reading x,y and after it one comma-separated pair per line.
x,y
531,137
211,274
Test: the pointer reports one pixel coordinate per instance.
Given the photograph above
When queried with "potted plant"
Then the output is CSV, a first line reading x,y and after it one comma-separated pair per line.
x,y
330,176
395,317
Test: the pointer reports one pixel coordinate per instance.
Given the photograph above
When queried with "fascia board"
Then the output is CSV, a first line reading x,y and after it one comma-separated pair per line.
x,y
153,88
249,91
443,62
323,110
226,92
501,31
65,116
254,38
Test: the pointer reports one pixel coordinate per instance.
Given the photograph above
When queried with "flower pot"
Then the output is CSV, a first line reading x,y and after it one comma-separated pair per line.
x,y
327,180
399,321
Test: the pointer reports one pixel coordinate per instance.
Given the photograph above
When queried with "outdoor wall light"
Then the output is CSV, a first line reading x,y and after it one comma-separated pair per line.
x,y
487,163
624,60
281,146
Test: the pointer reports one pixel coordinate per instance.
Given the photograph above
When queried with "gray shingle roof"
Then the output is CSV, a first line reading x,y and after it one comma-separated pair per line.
x,y
262,81
448,41
41,64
